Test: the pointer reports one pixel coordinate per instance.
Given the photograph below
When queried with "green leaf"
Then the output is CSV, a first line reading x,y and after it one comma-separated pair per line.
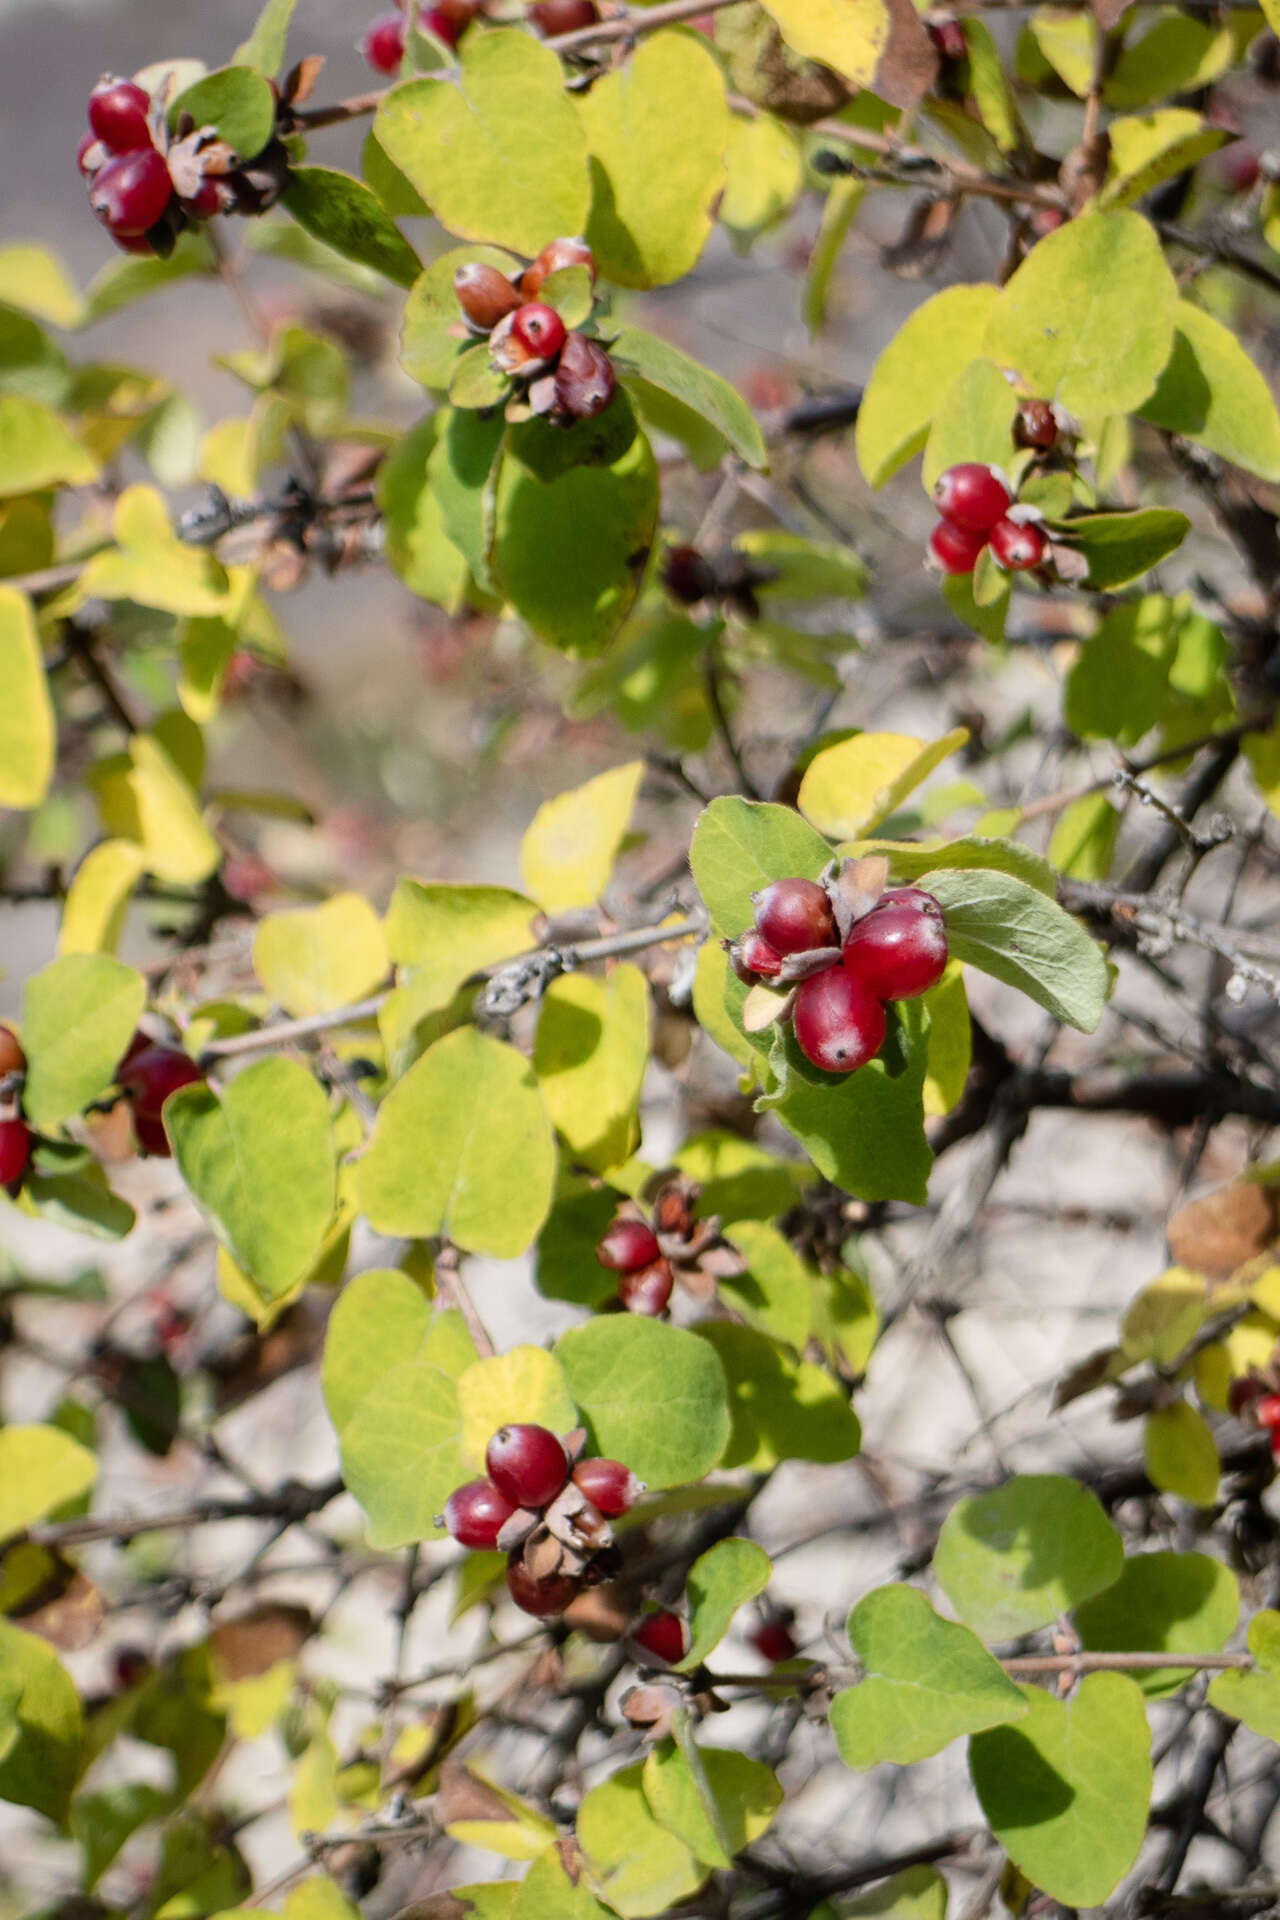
x,y
317,959
950,1042
40,1468
1088,317
987,619
1118,687
989,85
461,1147
849,35
351,219
1008,929
649,1394
383,1319
1066,1791
418,547
568,850
545,1893
438,936
720,1581
526,1384
101,1822
650,218
974,422
40,1767
237,102
38,449
766,174
1254,1697
80,1202
738,1179
28,740
151,565
918,1893
434,333
1148,148
78,1016
1210,391
848,789
264,49
911,860
720,1804
631,1860
775,1294
1083,843
258,1158
803,569
1175,55
864,1130
927,1682
1013,1560
35,280
124,281
739,846
1121,547
1180,1455
913,376
694,386
590,1055
503,1824
782,1409
98,897
1163,1603
498,154
402,1452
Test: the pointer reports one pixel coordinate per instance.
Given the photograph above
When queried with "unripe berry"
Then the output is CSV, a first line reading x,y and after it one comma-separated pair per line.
x,y
118,112
131,192
954,551
688,575
794,916
1017,547
552,1594
12,1058
647,1290
15,1152
838,1022
552,17
527,1464
539,329
585,379
383,45
772,1641
610,1486
485,295
971,496
572,251
476,1514
897,951
663,1637
626,1245
1035,425
752,958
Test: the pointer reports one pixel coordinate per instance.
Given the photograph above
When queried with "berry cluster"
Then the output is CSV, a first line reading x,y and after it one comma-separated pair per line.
x,y
547,1509
146,185
562,374
650,1253
846,951
148,1074
15,1135
977,511
630,1248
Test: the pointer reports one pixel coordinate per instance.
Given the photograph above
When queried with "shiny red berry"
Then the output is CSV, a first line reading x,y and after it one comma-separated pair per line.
x,y
954,551
12,1058
1036,426
1268,1410
1017,547
572,251
476,1514
131,192
663,1637
552,1594
772,1641
837,1020
538,329
609,1486
527,1464
626,1245
647,1290
118,112
485,295
794,916
752,958
896,951
383,45
15,1152
152,1074
971,496
552,17
585,379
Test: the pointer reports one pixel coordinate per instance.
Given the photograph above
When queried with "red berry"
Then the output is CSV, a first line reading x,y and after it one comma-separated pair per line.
x,y
773,1641
662,1635
1268,1410
954,551
118,112
527,1464
688,575
1239,167
15,1151
752,958
897,951
1046,220
151,1136
971,496
608,1485
794,916
447,23
383,45
213,196
1035,425
948,37
485,295
585,379
152,1074
838,1022
132,192
12,1058
1275,1441
538,329
131,242
571,251
476,1514
552,1594
552,17
626,1245
648,1289
1017,547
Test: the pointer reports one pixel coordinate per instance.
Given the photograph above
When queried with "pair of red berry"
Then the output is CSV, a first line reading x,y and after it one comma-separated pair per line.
x,y
149,1073
975,505
566,375
15,1135
896,951
630,1248
130,189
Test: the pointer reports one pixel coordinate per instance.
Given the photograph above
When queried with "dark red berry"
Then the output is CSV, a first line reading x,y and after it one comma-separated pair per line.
x,y
752,958
212,196
662,1636
538,329
118,112
794,916
552,17
527,1464
485,295
572,251
896,951
971,496
688,575
129,1666
383,45
1268,1410
15,1152
626,1245
585,379
1239,167
151,1136
552,1594
12,1058
132,192
838,1022
608,1485
772,1641
131,242
152,1074
647,1290
954,551
1035,425
447,23
1017,547
476,1514
948,37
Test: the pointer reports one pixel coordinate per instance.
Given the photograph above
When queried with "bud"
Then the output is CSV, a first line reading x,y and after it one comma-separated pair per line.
x,y
485,295
573,252
585,380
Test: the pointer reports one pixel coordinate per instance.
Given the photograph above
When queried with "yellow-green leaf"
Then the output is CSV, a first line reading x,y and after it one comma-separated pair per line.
x,y
527,1384
27,734
1180,1454
317,959
850,788
38,449
94,910
849,35
567,854
40,1468
590,1055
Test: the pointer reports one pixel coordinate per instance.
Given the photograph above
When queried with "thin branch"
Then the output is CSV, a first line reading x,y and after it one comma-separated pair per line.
x,y
292,1502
